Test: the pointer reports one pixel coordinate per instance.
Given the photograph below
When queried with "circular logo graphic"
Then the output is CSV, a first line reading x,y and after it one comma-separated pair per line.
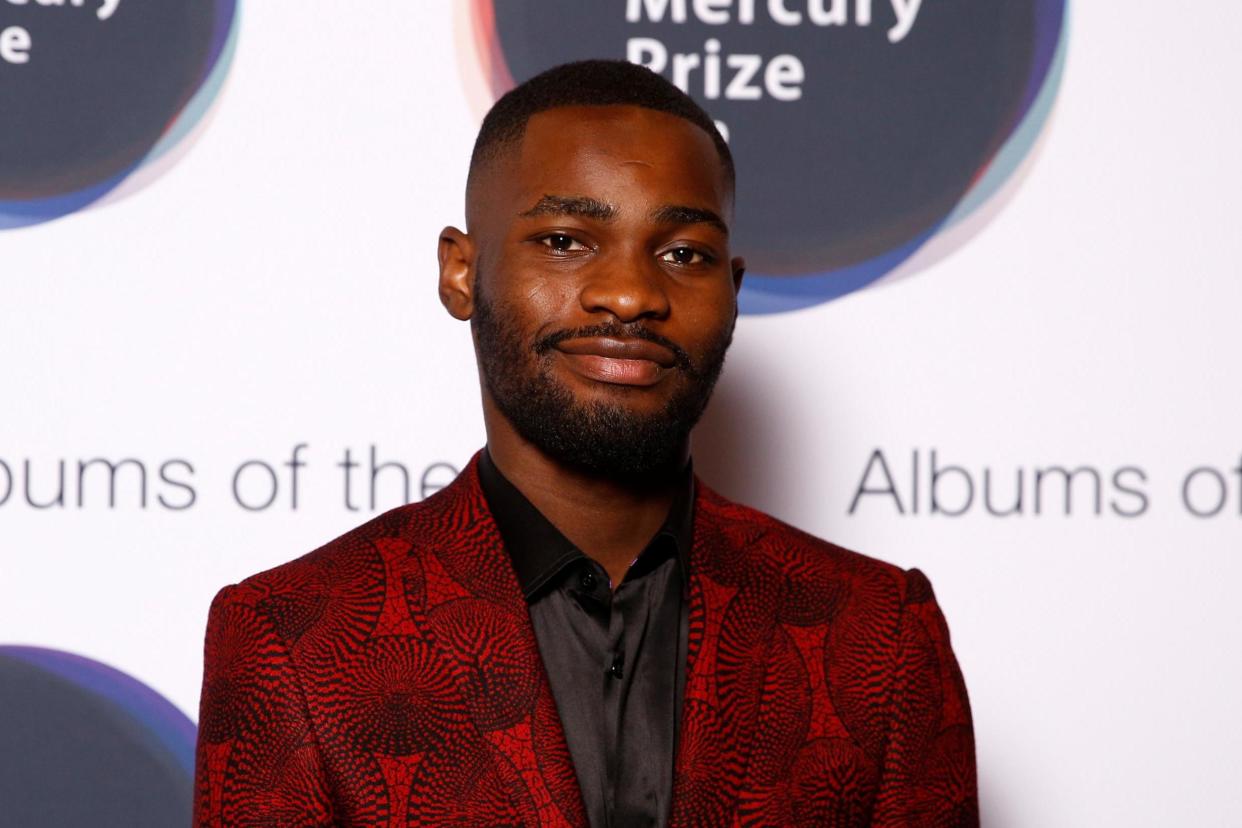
x,y
84,744
100,96
865,132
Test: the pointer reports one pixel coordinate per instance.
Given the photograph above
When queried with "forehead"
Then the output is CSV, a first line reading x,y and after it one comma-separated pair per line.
x,y
618,154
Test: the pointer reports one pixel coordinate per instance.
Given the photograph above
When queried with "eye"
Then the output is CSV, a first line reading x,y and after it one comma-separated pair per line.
x,y
684,256
561,243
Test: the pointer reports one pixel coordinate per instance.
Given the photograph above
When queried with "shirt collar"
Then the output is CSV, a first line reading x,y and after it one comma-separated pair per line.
x,y
539,550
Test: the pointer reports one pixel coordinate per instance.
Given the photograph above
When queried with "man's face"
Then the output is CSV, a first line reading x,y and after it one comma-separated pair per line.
x,y
604,296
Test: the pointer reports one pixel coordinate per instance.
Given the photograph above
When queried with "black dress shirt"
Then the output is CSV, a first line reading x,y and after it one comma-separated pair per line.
x,y
616,660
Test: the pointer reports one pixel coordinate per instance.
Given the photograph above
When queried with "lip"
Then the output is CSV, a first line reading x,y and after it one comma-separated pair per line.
x,y
637,362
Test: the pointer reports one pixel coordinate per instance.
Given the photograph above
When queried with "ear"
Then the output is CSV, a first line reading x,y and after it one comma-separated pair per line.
x,y
738,264
456,253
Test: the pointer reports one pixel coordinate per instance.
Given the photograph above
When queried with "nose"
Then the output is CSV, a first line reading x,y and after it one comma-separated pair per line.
x,y
629,287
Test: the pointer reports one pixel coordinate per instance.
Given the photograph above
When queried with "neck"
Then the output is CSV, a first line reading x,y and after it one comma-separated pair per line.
x,y
611,521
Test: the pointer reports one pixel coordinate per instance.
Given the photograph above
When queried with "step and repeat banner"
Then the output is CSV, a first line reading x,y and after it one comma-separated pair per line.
x,y
990,328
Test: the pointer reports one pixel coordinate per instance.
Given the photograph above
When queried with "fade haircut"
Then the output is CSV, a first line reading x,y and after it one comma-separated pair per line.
x,y
588,83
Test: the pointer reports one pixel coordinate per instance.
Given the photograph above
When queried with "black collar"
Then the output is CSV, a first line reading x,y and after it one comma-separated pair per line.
x,y
538,549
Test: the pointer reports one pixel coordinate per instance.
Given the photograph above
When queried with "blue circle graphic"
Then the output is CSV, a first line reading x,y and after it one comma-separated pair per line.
x,y
82,743
107,93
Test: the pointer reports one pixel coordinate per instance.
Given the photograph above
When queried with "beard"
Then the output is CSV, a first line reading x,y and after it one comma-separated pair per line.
x,y
599,438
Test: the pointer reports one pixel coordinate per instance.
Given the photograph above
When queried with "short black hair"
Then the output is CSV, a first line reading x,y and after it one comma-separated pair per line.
x,y
589,83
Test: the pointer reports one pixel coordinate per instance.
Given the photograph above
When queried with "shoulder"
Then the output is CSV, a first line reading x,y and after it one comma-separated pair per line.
x,y
746,544
335,560
352,569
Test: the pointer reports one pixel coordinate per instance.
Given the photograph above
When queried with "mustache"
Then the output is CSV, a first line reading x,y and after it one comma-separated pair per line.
x,y
618,330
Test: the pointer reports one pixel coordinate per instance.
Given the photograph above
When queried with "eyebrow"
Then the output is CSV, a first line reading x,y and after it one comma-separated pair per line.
x,y
679,214
587,207
584,206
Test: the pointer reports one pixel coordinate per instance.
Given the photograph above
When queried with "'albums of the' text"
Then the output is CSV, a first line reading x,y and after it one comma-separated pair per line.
x,y
928,483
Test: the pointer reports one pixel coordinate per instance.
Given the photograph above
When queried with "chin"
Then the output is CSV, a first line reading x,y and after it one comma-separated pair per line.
x,y
646,397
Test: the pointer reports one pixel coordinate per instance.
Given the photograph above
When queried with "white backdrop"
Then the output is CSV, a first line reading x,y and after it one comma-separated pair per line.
x,y
277,287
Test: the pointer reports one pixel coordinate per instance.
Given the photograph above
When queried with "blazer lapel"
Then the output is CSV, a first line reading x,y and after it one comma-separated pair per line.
x,y
732,615
477,616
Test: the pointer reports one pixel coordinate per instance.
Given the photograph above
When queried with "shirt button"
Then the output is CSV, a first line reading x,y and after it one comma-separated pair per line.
x,y
587,580
617,670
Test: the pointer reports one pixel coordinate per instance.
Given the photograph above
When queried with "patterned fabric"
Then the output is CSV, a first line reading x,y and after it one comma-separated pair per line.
x,y
392,678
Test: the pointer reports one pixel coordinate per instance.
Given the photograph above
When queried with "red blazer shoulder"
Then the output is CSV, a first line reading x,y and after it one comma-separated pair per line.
x,y
831,671
389,677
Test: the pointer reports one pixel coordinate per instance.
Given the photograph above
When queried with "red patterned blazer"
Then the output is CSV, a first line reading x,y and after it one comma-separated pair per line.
x,y
392,678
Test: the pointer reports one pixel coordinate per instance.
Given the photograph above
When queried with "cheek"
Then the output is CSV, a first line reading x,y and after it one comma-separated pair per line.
x,y
708,313
546,298
531,300
547,306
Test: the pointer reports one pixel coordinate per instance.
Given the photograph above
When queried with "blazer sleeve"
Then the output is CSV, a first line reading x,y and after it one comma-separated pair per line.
x,y
257,761
929,776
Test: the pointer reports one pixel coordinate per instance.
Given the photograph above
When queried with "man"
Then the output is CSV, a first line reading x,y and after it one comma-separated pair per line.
x,y
578,630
